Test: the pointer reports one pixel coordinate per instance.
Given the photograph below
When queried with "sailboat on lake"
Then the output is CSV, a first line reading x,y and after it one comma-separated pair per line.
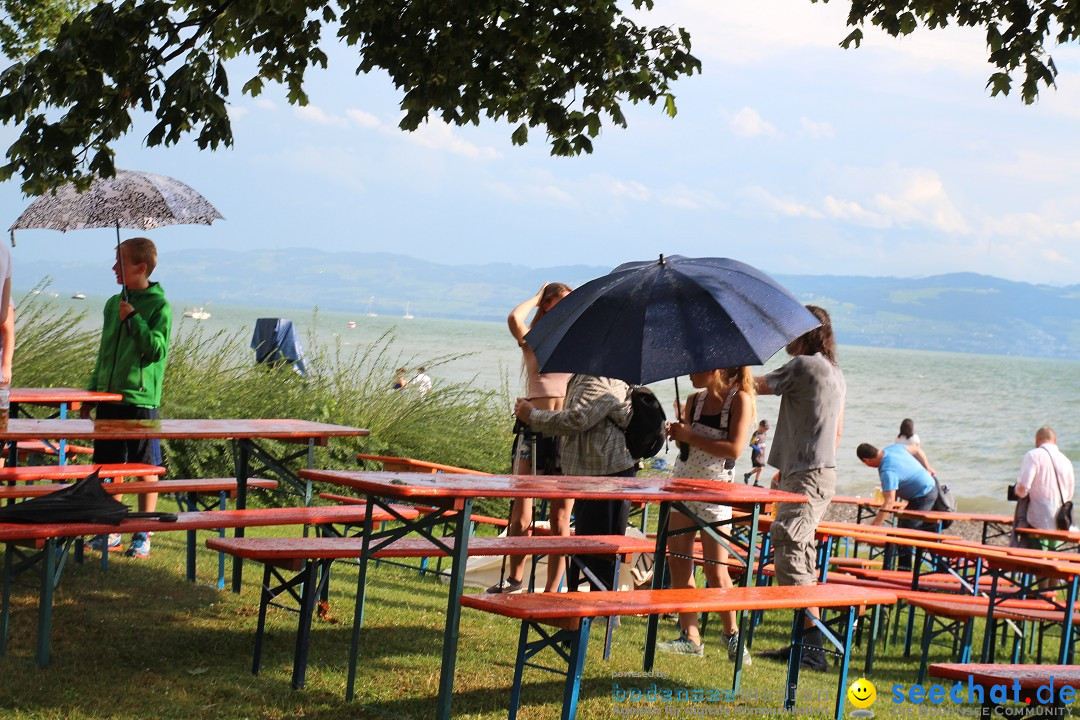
x,y
408,315
370,304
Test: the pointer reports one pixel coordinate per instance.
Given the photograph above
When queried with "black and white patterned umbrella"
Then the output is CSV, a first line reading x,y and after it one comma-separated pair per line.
x,y
130,199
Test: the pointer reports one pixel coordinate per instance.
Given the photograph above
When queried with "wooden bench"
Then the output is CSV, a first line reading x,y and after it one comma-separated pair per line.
x,y
955,618
311,559
42,447
189,494
1044,684
53,473
391,463
51,542
572,613
448,515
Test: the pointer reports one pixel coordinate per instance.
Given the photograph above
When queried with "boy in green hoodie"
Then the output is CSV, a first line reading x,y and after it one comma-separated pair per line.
x,y
131,361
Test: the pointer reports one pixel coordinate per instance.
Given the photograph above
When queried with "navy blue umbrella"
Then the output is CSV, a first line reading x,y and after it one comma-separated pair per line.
x,y
649,321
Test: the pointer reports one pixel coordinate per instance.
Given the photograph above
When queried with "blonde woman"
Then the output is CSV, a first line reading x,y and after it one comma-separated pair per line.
x,y
716,426
546,391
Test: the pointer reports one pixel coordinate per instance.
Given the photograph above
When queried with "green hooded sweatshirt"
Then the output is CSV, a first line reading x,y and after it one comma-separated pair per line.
x,y
134,364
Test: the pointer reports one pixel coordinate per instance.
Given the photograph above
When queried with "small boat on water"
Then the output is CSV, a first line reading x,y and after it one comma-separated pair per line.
x,y
351,324
370,303
78,296
197,313
408,315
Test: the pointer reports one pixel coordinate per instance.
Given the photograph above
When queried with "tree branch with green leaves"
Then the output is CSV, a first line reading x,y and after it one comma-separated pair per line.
x,y
1016,32
565,68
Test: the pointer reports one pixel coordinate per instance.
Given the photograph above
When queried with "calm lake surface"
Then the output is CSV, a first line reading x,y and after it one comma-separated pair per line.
x,y
976,414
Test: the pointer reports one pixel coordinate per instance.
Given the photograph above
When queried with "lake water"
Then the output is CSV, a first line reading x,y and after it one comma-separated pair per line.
x,y
976,414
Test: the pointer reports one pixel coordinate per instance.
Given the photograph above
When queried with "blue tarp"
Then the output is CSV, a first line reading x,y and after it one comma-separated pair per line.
x,y
275,341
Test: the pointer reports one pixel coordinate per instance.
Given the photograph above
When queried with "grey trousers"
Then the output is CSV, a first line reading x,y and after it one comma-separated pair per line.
x,y
795,524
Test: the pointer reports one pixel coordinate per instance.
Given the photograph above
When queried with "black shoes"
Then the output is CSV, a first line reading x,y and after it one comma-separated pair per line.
x,y
813,657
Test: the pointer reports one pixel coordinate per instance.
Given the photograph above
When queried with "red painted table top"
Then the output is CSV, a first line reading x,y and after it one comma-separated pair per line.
x,y
391,463
58,396
541,606
645,489
205,520
33,473
855,500
140,487
842,529
995,556
330,547
1030,676
941,515
175,429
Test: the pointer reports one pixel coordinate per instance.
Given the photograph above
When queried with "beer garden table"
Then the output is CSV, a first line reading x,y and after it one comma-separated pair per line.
x,y
454,494
247,436
63,400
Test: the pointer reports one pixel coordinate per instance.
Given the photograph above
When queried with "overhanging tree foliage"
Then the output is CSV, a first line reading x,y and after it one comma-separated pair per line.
x,y
565,67
24,26
1016,32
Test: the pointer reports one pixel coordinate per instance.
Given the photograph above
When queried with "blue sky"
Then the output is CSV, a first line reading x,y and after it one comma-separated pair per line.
x,y
788,152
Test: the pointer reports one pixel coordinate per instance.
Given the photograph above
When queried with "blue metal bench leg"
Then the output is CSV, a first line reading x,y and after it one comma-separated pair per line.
x,y
358,610
575,667
5,603
303,630
794,660
845,662
48,585
928,626
264,600
519,671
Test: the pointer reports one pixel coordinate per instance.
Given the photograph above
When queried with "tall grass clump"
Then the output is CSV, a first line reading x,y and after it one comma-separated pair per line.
x,y
213,375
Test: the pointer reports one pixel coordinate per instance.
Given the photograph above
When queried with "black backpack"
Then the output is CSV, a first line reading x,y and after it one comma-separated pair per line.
x,y
645,433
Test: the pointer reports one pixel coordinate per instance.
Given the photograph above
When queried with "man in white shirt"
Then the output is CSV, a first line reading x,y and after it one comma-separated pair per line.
x,y
1046,481
422,383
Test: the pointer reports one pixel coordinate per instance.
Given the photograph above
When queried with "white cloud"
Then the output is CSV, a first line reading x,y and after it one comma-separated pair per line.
x,y
818,130
687,198
891,198
854,212
632,190
552,193
237,111
265,104
319,116
755,32
748,123
438,135
923,201
362,119
788,208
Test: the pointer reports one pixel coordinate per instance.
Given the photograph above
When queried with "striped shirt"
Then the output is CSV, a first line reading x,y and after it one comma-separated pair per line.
x,y
590,445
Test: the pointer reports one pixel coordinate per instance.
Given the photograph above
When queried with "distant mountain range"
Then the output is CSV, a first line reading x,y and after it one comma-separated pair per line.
x,y
962,312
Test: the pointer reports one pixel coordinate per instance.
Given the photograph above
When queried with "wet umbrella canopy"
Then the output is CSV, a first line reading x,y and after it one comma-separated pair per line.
x,y
86,501
649,321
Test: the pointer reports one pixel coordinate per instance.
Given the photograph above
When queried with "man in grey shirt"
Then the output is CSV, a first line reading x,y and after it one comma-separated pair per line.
x,y
808,429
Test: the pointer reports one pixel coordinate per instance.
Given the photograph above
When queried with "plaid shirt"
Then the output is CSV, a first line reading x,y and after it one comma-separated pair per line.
x,y
590,444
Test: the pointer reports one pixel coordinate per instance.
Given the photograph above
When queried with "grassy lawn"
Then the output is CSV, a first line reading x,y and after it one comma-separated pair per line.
x,y
140,642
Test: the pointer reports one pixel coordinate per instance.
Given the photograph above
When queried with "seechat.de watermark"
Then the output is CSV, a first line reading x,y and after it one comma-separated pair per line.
x,y
655,700
970,699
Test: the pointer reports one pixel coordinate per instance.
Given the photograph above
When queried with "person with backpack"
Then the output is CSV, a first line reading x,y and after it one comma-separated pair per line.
x,y
590,426
715,426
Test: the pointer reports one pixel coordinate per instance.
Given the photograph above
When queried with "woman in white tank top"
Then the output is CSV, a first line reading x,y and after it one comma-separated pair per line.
x,y
715,424
546,391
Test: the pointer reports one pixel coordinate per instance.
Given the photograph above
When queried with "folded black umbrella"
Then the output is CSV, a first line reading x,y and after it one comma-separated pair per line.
x,y
86,501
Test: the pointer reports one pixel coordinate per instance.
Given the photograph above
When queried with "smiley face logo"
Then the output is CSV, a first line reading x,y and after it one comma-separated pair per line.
x,y
862,693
